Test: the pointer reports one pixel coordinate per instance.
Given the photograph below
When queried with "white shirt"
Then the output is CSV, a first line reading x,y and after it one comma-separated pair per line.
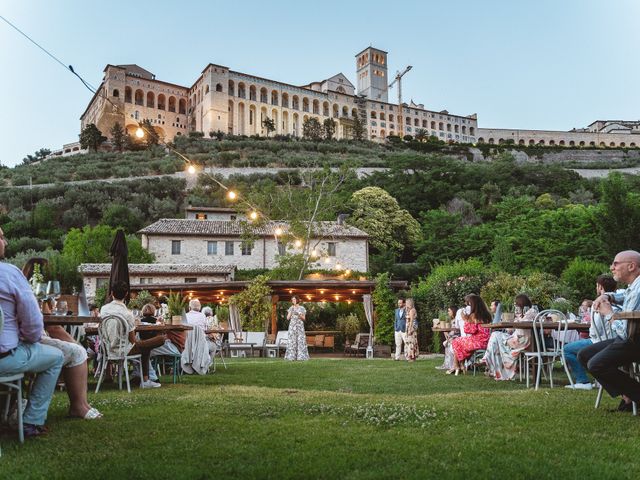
x,y
197,319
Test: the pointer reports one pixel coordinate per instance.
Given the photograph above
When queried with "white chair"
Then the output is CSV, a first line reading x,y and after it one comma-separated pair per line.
x,y
273,349
114,331
544,357
13,383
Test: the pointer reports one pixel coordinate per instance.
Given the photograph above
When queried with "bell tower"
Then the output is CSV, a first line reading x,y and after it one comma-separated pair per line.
x,y
371,67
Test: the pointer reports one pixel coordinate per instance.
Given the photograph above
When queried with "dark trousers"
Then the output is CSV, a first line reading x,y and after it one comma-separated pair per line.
x,y
603,360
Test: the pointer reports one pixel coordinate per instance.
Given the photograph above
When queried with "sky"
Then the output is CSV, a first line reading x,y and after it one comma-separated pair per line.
x,y
530,64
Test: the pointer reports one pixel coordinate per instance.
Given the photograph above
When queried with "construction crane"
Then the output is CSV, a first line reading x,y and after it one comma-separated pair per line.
x,y
398,79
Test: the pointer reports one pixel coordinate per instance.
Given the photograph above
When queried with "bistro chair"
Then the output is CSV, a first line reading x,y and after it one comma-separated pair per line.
x,y
114,331
13,384
542,356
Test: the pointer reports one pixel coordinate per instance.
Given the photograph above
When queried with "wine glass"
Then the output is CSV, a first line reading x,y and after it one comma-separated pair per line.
x,y
53,289
40,291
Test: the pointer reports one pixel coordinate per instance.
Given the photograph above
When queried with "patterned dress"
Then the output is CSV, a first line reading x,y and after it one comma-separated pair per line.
x,y
478,336
411,337
297,341
504,348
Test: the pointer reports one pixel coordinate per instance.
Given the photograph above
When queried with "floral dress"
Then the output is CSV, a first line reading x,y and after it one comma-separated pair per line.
x,y
297,341
411,338
504,348
478,336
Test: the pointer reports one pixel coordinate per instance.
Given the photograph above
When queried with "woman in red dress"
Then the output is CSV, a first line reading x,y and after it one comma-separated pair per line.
x,y
478,337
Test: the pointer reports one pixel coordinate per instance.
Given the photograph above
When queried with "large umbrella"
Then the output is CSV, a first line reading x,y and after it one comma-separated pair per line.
x,y
119,261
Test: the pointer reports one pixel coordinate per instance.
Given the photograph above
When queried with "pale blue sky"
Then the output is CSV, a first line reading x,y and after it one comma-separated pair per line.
x,y
543,64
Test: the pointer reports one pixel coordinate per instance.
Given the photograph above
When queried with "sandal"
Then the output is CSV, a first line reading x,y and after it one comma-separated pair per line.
x,y
92,414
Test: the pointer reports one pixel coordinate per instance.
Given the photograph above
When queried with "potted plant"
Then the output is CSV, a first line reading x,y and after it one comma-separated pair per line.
x,y
349,325
176,305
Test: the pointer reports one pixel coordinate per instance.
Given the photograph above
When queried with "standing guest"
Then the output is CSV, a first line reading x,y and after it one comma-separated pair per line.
x,y
604,359
117,308
400,327
297,341
411,337
478,336
504,348
598,331
20,347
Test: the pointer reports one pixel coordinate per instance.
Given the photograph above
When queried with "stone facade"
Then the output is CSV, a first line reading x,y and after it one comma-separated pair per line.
x,y
237,103
96,275
224,243
564,139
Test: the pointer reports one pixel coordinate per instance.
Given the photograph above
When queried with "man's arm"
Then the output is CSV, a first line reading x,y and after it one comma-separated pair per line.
x,y
28,312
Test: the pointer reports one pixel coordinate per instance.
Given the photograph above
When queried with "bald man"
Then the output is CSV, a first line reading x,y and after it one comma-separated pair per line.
x,y
603,359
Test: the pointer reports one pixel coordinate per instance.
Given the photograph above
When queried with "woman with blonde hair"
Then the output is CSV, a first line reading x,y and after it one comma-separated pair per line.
x,y
411,336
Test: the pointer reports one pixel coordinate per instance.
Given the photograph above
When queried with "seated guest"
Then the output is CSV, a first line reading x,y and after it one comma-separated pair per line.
x,y
74,368
604,359
198,319
496,311
504,348
117,308
477,336
20,347
448,336
599,330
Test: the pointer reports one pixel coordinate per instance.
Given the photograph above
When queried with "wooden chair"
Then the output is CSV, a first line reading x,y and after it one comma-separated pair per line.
x,y
13,383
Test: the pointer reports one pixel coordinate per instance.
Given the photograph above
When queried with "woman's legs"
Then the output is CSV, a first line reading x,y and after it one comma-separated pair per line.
x,y
75,380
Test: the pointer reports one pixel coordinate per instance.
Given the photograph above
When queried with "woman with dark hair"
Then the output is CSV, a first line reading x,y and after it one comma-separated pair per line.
x,y
297,340
505,347
477,336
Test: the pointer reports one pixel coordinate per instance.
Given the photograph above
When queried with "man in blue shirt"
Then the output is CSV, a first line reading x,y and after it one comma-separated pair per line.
x,y
399,327
603,359
20,350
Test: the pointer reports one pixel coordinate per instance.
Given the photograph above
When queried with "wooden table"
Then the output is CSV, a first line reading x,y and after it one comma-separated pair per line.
x,y
633,317
147,328
529,325
445,330
68,320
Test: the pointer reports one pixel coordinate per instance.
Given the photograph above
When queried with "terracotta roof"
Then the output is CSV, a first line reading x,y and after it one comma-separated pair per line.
x,y
182,227
158,269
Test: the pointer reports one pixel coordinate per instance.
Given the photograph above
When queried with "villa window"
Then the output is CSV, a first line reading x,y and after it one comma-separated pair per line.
x,y
212,248
228,248
246,248
175,247
331,249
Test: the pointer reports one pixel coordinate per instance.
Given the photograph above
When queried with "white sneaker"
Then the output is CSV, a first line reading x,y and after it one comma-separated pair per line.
x,y
150,384
582,386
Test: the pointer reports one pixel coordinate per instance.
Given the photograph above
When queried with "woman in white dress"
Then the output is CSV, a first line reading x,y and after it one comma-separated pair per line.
x,y
297,341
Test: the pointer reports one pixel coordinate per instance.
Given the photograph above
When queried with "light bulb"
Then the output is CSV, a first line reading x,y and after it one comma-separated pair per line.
x,y
327,260
297,243
314,253
278,231
191,169
139,132
253,215
338,266
232,195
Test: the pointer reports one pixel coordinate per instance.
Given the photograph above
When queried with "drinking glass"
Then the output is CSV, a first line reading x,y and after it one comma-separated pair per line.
x,y
53,289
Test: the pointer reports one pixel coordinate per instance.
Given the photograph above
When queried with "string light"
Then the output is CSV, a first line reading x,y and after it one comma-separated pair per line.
x,y
139,132
232,195
338,266
191,169
278,231
297,243
327,260
253,215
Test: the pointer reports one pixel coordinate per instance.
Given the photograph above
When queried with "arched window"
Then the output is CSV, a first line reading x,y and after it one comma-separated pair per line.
x,y
416,122
448,127
316,107
391,120
285,100
612,144
263,95
520,142
373,115
561,142
572,143
456,128
464,129
341,89
382,117
252,92
552,142
500,141
481,140
231,87
182,107
325,109
425,124
127,94
440,126
433,125
336,110
151,100
161,102
541,142
139,97
242,90
206,89
407,121
471,131
354,112
491,141
172,104
622,144
116,93
274,97
295,103
345,111
305,104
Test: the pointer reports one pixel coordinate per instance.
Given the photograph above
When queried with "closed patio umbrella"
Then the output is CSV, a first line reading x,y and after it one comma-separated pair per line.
x,y
119,261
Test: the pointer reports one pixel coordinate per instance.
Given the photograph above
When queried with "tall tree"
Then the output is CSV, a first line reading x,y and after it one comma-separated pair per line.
x,y
390,227
151,136
358,129
311,129
269,125
329,125
118,136
91,137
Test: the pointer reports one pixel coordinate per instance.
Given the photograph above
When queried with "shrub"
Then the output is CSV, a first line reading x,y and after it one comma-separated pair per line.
x,y
384,303
580,275
349,325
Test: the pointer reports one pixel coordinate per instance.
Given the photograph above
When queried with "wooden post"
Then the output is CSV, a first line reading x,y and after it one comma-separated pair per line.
x,y
274,314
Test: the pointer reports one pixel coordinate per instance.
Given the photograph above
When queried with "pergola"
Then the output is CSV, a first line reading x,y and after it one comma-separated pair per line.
x,y
312,290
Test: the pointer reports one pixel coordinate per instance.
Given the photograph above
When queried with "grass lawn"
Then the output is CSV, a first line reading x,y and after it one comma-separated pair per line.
x,y
333,418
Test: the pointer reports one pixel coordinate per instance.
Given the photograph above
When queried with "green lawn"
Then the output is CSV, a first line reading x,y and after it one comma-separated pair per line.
x,y
334,419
